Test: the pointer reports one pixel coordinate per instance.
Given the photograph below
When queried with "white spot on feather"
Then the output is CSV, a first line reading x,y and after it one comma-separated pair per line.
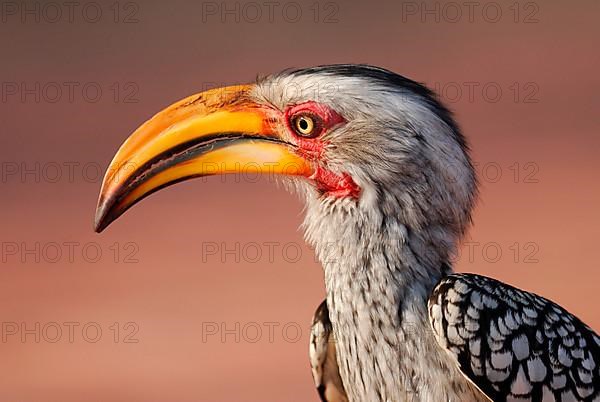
x,y
537,369
502,360
520,347
521,386
559,381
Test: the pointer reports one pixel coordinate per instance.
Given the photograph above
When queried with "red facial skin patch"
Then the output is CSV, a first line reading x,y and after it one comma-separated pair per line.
x,y
312,148
332,184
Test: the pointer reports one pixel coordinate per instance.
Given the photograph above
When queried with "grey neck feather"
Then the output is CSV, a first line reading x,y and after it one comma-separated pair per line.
x,y
367,246
378,277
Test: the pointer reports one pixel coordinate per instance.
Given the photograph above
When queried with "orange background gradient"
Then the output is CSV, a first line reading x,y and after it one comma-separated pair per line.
x,y
548,213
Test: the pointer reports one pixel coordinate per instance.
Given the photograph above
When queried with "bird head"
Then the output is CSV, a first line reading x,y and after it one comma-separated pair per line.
x,y
357,140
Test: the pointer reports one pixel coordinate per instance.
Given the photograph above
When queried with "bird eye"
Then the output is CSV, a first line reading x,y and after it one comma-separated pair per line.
x,y
305,125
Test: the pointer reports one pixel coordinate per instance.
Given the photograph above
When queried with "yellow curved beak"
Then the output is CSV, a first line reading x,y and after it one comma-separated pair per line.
x,y
213,132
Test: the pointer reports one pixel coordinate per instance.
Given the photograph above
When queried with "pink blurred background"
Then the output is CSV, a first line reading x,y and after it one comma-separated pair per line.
x,y
536,143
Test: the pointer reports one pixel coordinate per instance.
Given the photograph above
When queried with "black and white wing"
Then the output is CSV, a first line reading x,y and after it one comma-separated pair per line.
x,y
514,345
323,360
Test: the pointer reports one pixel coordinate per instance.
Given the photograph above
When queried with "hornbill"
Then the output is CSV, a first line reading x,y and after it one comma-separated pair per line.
x,y
389,189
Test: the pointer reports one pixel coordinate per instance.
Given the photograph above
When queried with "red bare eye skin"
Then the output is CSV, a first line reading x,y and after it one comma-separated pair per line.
x,y
308,136
322,116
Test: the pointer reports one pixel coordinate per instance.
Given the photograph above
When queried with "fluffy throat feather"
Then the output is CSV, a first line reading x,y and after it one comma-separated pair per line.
x,y
353,238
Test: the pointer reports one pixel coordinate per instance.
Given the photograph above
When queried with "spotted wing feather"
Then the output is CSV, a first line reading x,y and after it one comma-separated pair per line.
x,y
514,345
323,358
